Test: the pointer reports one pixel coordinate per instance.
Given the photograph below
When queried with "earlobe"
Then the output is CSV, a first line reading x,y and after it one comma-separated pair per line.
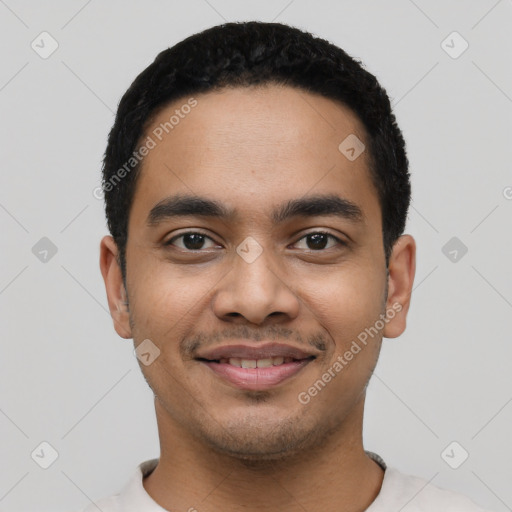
x,y
114,286
401,271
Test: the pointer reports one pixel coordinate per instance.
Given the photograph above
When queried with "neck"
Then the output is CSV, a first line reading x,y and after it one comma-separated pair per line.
x,y
191,476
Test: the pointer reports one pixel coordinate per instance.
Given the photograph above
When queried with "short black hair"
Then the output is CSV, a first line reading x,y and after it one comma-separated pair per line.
x,y
243,54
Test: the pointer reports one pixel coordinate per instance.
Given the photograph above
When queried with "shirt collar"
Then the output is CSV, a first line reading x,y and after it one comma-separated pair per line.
x,y
134,497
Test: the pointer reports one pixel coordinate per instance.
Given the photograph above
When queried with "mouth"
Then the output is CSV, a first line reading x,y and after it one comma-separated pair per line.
x,y
256,368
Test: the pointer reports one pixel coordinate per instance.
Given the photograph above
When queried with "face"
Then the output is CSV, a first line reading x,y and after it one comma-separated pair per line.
x,y
255,262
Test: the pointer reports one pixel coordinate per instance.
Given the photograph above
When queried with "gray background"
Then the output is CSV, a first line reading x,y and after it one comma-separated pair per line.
x,y
69,380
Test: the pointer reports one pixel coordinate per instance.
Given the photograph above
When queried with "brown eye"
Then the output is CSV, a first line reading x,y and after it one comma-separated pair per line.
x,y
319,240
191,241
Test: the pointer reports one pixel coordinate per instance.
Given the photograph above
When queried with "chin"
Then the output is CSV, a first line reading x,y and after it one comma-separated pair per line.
x,y
254,439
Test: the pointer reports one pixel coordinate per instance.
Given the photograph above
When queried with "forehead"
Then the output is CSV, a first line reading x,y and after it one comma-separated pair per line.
x,y
252,147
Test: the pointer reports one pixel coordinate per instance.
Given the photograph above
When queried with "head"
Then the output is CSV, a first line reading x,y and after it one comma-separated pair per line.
x,y
256,190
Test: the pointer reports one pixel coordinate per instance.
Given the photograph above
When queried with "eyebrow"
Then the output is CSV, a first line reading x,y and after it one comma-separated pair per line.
x,y
309,206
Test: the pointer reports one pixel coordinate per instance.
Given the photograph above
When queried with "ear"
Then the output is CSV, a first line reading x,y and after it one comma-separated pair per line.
x,y
402,267
116,293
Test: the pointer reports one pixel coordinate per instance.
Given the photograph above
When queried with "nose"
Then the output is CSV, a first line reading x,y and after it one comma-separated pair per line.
x,y
253,292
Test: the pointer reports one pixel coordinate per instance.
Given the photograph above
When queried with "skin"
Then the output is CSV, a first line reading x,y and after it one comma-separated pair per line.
x,y
254,149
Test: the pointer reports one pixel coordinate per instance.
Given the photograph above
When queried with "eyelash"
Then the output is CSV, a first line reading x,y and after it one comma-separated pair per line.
x,y
170,242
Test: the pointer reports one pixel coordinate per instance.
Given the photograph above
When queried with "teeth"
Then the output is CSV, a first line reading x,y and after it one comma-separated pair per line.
x,y
264,363
256,363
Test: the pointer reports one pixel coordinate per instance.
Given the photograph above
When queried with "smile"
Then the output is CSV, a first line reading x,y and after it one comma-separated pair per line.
x,y
256,374
256,363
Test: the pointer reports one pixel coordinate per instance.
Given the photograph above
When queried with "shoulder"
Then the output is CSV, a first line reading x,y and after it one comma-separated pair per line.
x,y
132,497
410,493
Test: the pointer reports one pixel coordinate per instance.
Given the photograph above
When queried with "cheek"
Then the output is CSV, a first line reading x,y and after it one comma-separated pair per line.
x,y
166,299
346,302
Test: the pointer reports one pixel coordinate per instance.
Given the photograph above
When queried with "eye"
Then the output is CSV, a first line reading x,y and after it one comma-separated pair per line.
x,y
319,240
192,241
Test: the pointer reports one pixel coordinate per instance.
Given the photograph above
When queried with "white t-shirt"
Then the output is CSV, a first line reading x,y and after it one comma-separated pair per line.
x,y
401,492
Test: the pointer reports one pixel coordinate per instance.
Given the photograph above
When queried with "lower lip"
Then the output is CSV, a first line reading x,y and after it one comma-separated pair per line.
x,y
257,378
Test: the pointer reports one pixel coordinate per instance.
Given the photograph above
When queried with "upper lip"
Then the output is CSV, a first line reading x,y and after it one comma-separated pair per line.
x,y
261,351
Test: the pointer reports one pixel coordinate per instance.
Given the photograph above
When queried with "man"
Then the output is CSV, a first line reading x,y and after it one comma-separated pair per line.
x,y
257,189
